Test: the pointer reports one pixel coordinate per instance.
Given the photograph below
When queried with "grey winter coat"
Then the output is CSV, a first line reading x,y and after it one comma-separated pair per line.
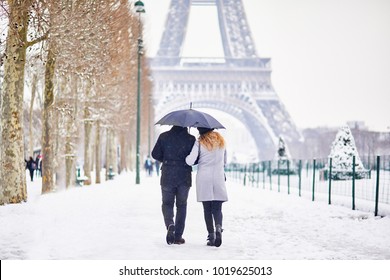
x,y
210,177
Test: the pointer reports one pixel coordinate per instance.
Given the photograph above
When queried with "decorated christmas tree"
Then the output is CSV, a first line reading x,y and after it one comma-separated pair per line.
x,y
342,151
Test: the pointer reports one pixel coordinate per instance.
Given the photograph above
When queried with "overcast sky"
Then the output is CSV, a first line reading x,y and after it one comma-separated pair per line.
x,y
330,58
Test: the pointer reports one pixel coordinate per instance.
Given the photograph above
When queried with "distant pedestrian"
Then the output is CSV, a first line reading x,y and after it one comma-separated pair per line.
x,y
157,164
210,153
31,165
38,162
40,166
148,166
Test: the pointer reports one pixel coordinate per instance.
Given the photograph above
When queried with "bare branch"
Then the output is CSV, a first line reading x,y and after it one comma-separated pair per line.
x,y
37,40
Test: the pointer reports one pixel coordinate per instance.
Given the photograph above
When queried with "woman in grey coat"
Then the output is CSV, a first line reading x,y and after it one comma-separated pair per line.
x,y
210,153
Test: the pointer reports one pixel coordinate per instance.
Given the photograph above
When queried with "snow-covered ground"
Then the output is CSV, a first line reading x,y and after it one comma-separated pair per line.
x,y
119,220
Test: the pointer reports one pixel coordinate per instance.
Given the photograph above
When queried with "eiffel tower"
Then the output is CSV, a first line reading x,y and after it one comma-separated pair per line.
x,y
239,85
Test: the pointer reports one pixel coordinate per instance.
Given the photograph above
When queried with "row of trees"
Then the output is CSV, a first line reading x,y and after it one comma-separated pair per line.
x,y
81,56
317,142
345,160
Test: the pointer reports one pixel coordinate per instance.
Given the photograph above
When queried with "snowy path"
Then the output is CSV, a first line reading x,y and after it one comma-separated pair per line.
x,y
119,220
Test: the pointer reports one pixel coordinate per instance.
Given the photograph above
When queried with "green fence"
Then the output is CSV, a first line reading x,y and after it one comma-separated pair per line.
x,y
359,189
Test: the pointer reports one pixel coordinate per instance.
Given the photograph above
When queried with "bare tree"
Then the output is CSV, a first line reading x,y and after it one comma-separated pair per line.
x,y
12,175
93,42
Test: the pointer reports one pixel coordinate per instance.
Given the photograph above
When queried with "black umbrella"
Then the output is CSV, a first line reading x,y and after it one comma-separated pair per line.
x,y
190,118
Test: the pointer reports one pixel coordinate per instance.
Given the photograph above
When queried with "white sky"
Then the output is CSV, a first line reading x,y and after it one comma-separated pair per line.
x,y
330,59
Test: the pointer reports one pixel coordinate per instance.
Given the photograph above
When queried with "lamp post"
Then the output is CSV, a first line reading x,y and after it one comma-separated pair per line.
x,y
139,8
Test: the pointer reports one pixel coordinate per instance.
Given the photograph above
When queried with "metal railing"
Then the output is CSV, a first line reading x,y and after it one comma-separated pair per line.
x,y
315,179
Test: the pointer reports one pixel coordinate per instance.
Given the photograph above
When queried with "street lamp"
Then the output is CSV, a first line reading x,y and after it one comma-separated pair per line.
x,y
139,8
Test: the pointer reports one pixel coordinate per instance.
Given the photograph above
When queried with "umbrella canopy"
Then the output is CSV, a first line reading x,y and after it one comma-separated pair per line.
x,y
190,118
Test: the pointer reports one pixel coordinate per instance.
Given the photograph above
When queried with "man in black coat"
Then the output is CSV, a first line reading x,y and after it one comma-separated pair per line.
x,y
31,165
171,149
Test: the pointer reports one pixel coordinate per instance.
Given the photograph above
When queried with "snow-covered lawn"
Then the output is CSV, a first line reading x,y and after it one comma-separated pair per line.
x,y
119,220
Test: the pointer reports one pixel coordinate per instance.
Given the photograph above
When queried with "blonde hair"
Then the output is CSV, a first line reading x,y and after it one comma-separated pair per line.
x,y
212,140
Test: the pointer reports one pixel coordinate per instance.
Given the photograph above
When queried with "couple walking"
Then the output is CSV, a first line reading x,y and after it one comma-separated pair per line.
x,y
178,151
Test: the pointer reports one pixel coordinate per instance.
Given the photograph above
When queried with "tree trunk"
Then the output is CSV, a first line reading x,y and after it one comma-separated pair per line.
x,y
114,150
12,168
31,133
69,162
48,168
87,136
130,159
71,134
108,145
98,162
110,152
123,158
58,145
87,150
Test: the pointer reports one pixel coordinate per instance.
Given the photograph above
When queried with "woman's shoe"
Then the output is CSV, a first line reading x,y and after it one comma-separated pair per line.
x,y
211,239
218,235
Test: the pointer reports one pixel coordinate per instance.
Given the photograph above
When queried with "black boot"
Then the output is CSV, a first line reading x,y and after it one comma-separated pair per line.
x,y
171,234
218,236
211,239
179,240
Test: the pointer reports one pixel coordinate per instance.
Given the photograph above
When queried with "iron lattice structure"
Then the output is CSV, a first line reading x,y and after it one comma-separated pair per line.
x,y
238,84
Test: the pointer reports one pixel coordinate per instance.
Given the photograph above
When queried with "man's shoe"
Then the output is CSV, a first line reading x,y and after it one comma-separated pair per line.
x,y
180,241
211,239
171,234
218,236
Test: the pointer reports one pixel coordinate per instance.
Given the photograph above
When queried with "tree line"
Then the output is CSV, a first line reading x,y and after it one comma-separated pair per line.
x,y
70,68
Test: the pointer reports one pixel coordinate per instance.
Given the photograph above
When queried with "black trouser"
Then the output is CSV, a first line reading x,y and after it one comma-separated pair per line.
x,y
169,195
32,174
212,214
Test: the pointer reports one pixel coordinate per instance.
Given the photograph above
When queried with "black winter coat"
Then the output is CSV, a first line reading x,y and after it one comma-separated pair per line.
x,y
31,164
172,148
